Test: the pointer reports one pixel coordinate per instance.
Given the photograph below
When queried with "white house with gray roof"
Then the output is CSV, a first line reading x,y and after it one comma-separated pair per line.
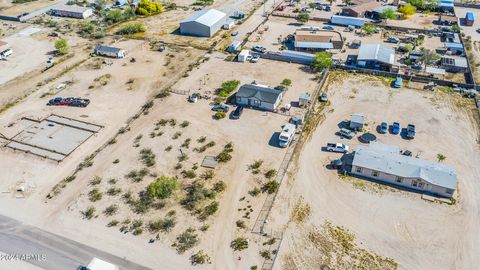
x,y
258,96
204,23
384,163
109,51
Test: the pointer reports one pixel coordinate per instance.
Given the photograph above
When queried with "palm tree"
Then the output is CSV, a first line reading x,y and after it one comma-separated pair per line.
x,y
441,157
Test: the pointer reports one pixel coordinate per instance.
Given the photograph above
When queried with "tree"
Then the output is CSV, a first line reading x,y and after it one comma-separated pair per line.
x,y
131,28
407,10
147,8
369,29
162,187
429,57
286,82
114,16
303,17
322,60
100,4
62,47
456,28
346,2
389,13
239,243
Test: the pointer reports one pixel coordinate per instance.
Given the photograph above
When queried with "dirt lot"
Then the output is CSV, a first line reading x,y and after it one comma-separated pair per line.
x,y
397,224
74,199
7,8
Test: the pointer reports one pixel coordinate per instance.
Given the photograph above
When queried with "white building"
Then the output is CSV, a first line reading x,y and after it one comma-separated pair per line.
x,y
384,163
258,96
110,52
204,23
71,11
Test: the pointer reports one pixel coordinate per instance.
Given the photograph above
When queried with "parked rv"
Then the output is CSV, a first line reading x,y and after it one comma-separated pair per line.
x,y
286,136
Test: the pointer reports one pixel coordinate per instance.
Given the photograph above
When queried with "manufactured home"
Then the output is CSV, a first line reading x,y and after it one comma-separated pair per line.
x,y
109,52
258,96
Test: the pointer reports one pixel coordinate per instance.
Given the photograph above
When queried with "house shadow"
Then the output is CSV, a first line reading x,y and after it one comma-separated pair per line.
x,y
295,24
344,124
274,140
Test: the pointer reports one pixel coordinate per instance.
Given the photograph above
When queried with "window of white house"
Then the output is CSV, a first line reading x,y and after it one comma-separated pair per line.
x,y
375,173
358,170
398,179
414,183
421,184
449,191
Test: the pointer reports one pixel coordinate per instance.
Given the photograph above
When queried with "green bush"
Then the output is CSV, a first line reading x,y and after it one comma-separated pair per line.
x,y
131,28
209,210
228,87
111,210
286,82
94,195
162,187
239,244
186,240
199,258
62,47
89,213
219,115
164,225
219,186
147,8
270,187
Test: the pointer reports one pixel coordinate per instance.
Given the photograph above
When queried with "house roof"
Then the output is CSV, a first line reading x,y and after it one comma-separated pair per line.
x,y
433,70
107,49
313,36
385,159
207,17
262,93
367,6
71,8
453,45
454,61
377,52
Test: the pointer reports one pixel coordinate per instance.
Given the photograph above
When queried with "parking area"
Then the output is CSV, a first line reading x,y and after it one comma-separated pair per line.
x,y
415,233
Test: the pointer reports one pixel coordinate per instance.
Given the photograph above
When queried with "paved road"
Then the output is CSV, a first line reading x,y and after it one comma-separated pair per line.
x,y
59,253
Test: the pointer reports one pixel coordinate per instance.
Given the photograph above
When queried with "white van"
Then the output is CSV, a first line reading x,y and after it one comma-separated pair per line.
x,y
286,136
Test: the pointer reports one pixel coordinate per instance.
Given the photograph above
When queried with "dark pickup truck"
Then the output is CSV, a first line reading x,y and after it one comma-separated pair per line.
x,y
410,131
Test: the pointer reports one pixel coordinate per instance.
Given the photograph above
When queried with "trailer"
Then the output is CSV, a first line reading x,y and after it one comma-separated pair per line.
x,y
347,21
70,101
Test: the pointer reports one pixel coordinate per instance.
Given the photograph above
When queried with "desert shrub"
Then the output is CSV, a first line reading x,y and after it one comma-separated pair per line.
x,y
186,240
204,227
199,258
219,187
270,187
116,161
114,191
147,8
131,28
111,210
177,135
178,166
172,122
137,231
196,193
209,210
208,174
241,224
286,82
162,187
89,213
254,192
186,143
189,174
266,254
202,139
184,124
147,157
168,148
164,225
112,181
256,165
182,157
94,195
142,204
113,223
96,180
224,156
270,173
239,243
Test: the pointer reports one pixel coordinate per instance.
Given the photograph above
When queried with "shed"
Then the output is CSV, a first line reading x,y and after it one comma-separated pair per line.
x,y
346,21
204,23
303,99
109,52
357,121
243,55
259,97
234,46
469,20
71,11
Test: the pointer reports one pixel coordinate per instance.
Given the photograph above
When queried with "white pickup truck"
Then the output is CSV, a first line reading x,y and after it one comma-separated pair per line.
x,y
337,147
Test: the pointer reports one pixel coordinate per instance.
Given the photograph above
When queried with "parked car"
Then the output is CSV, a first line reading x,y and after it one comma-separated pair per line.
x,y
6,53
327,8
410,131
255,58
398,82
259,49
193,98
234,33
337,147
393,40
383,128
328,27
220,108
346,133
70,101
50,60
324,97
396,128
237,112
407,153
478,30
